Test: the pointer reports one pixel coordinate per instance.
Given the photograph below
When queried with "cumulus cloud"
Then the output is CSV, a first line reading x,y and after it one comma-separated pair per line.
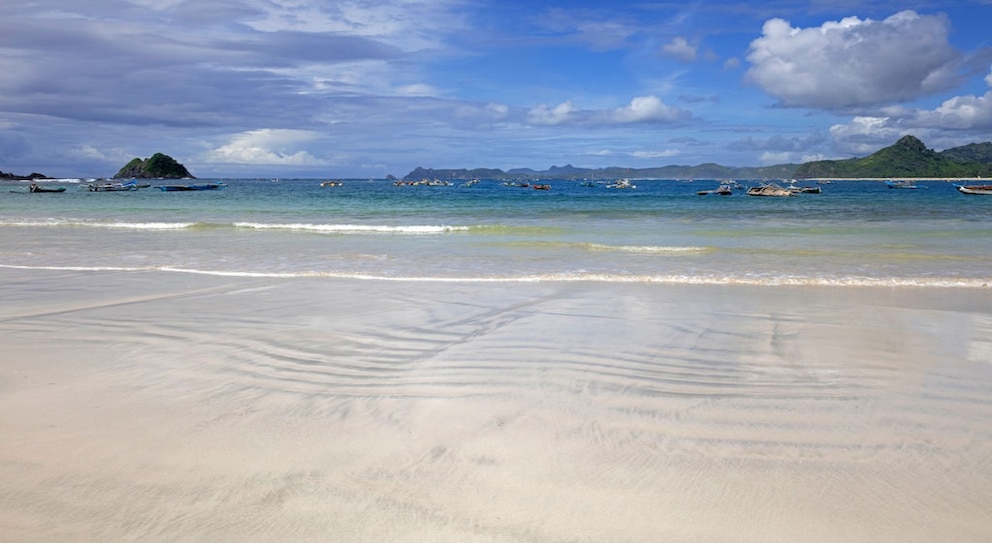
x,y
680,48
647,109
544,115
853,62
959,117
641,109
267,146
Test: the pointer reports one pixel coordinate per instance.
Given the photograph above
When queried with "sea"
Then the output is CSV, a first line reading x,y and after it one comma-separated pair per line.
x,y
853,233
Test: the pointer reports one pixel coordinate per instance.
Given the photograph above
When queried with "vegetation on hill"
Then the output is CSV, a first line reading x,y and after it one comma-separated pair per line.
x,y
702,171
909,157
158,166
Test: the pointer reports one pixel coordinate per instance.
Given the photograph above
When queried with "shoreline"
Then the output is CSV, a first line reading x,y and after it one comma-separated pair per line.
x,y
172,406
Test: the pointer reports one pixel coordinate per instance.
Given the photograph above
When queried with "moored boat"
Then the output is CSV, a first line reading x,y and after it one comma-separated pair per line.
x,y
114,187
722,190
984,190
38,188
621,184
195,186
901,184
769,189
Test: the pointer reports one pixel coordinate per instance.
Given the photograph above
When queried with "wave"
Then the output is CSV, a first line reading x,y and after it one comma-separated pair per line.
x,y
648,249
354,228
97,224
673,279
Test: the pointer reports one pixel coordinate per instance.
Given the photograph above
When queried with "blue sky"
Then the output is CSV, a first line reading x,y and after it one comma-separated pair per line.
x,y
320,88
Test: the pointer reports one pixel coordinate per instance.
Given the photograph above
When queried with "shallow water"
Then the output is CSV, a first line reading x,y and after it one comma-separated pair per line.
x,y
854,233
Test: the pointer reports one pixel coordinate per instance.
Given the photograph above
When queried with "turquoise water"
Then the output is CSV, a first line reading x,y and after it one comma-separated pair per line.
x,y
854,233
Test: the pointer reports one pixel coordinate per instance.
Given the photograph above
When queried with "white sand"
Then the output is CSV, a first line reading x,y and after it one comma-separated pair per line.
x,y
165,407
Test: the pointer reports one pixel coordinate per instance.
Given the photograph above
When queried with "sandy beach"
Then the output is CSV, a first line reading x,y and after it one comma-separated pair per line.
x,y
160,406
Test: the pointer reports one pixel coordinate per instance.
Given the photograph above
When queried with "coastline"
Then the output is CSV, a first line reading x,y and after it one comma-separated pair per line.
x,y
162,406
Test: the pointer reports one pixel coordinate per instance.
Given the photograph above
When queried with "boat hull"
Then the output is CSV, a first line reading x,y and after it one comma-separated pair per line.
x,y
981,190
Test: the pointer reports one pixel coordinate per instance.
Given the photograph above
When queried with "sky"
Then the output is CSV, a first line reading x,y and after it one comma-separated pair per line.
x,y
370,88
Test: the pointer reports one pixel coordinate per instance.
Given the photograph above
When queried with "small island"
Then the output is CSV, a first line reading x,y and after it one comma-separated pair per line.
x,y
158,166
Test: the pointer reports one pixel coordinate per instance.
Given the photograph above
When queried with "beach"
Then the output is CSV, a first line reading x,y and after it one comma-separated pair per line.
x,y
164,406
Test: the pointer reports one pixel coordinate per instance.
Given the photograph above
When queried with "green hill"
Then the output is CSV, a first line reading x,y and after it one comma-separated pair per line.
x,y
158,166
909,157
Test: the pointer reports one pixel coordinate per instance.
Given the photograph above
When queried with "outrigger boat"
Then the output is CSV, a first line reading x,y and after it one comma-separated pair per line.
x,y
768,189
903,184
38,188
114,187
621,184
722,190
984,190
196,186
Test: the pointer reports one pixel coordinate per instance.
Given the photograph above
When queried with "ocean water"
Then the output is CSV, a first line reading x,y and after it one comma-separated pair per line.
x,y
854,233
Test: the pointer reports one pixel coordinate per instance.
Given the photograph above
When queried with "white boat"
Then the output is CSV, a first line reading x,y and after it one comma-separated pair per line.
x,y
114,187
621,184
722,190
984,190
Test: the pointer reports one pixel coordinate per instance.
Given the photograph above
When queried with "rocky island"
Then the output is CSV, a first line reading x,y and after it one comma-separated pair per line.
x,y
158,166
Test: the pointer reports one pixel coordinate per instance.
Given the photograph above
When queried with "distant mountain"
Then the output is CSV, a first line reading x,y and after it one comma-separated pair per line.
x,y
909,157
14,176
973,152
703,171
158,166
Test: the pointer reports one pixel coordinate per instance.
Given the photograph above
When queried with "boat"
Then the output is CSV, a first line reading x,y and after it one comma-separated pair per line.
x,y
541,187
796,189
38,188
195,186
330,184
621,184
768,189
520,184
722,190
984,190
902,184
114,187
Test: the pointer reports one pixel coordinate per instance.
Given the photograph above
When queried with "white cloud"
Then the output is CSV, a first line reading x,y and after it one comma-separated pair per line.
x,y
642,109
544,115
407,24
267,146
666,153
960,113
854,62
681,49
646,109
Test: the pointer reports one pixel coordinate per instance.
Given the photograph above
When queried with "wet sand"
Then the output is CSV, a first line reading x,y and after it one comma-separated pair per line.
x,y
164,406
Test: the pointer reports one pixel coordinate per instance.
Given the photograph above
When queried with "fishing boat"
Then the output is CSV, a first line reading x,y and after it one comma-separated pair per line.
x,y
621,184
114,187
769,189
722,190
38,188
796,189
902,184
195,186
984,190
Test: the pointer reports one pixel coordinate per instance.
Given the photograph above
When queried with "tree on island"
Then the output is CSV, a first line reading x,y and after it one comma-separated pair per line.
x,y
158,166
